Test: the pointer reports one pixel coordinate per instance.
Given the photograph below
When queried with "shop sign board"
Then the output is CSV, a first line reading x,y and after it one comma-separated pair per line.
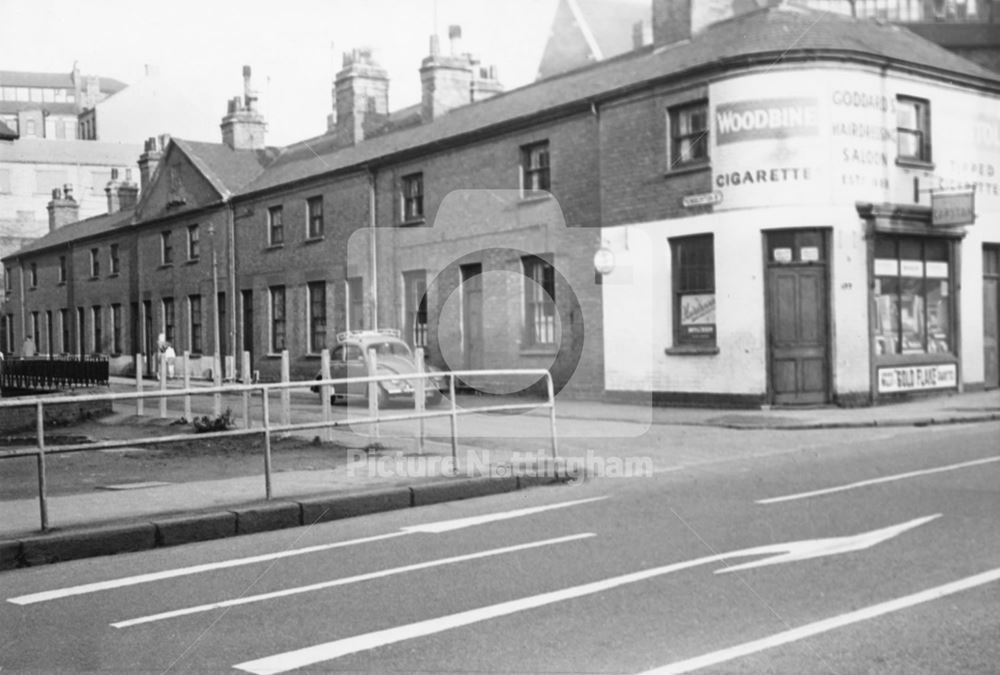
x,y
950,209
915,378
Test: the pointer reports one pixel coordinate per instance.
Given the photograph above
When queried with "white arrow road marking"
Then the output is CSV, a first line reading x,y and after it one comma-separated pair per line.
x,y
876,481
442,526
825,625
350,580
804,550
300,658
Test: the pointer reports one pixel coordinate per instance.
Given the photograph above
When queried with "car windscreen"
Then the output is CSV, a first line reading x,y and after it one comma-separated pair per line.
x,y
390,348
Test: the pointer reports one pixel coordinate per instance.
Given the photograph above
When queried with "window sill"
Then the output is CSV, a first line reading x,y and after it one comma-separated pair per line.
x,y
313,240
311,356
692,350
914,164
274,247
95,278
114,275
534,197
272,355
164,266
192,261
684,169
413,222
58,283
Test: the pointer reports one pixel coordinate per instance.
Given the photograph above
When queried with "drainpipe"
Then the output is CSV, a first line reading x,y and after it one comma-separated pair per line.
x,y
373,249
231,278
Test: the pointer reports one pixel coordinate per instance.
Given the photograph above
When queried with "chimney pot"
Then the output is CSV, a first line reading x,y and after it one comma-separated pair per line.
x,y
68,191
455,37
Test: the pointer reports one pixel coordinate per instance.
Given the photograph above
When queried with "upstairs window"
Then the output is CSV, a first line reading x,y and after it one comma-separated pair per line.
x,y
535,167
913,129
314,217
194,245
166,249
33,275
275,226
115,262
62,269
694,290
95,263
539,302
413,197
688,134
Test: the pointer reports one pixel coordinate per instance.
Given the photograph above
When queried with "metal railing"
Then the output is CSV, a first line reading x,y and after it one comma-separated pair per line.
x,y
268,429
43,372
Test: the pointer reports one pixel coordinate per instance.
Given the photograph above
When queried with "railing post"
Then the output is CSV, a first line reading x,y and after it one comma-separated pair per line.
x,y
267,442
324,393
217,381
163,384
419,397
245,370
552,413
454,421
138,385
187,385
43,506
286,393
376,432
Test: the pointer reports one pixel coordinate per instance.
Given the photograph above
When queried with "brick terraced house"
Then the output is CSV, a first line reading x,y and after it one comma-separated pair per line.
x,y
783,207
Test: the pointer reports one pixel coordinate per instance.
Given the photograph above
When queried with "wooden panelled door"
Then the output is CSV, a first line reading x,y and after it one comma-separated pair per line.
x,y
991,316
797,317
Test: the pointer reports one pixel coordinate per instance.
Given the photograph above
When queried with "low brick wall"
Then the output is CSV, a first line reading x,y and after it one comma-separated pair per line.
x,y
22,418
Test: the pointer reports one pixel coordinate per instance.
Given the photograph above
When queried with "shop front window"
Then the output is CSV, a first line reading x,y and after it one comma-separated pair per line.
x,y
912,296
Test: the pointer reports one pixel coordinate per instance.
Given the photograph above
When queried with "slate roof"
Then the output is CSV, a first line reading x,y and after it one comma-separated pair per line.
x,y
226,169
71,151
774,34
81,229
21,78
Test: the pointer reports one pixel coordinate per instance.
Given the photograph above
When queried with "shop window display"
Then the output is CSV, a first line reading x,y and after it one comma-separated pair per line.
x,y
912,296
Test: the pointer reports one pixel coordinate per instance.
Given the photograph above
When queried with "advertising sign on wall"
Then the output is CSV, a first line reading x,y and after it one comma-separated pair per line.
x,y
916,378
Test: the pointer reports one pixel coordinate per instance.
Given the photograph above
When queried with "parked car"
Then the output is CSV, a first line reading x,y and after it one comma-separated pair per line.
x,y
393,356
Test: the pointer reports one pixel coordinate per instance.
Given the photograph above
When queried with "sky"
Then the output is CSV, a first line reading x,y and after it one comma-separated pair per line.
x,y
294,47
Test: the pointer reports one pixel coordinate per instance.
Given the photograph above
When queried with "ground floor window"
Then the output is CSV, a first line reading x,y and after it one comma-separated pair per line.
x,y
539,302
277,319
317,316
415,298
694,290
913,298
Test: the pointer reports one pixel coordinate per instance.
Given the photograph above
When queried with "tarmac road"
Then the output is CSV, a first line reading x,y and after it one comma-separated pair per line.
x,y
884,551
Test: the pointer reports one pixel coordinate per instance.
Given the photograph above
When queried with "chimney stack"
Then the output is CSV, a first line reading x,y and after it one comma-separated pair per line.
x,y
111,190
243,127
678,20
361,96
63,209
152,153
122,195
454,80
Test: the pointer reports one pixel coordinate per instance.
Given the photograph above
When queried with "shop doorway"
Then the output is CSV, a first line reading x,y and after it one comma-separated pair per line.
x,y
472,316
797,304
991,316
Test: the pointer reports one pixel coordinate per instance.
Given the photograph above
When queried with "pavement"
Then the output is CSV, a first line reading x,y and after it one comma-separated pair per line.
x,y
92,524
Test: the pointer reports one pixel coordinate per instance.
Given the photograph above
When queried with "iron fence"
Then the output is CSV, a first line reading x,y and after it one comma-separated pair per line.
x,y
50,373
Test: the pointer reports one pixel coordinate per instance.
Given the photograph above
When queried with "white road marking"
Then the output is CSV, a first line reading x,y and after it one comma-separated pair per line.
x,y
459,523
876,481
825,625
811,548
437,527
349,580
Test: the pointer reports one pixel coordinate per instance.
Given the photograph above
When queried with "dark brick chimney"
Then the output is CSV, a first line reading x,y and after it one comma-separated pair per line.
x,y
63,209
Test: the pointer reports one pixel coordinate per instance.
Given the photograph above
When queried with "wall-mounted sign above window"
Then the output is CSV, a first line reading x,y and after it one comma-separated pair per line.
x,y
949,209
